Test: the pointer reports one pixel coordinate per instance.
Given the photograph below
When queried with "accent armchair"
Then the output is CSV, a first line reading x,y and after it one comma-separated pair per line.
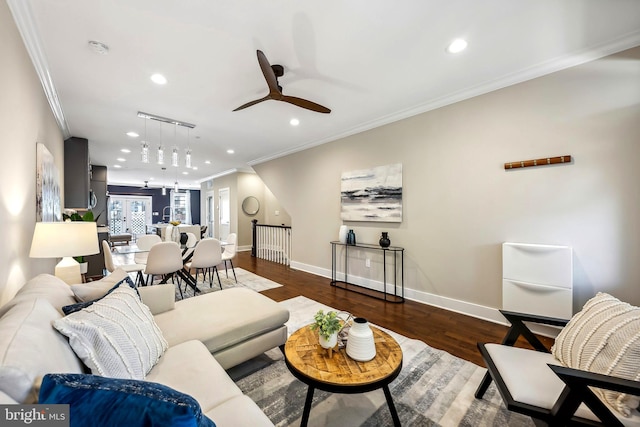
x,y
553,386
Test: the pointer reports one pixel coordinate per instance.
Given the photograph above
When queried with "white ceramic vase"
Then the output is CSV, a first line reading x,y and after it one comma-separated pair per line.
x,y
328,343
342,234
360,343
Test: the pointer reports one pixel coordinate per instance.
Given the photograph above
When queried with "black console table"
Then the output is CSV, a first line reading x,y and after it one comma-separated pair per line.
x,y
393,252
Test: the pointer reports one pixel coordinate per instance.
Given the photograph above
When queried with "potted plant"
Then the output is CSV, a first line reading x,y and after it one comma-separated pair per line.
x,y
328,325
73,215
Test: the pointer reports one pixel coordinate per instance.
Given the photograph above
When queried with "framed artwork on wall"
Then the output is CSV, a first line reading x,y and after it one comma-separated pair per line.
x,y
372,194
48,206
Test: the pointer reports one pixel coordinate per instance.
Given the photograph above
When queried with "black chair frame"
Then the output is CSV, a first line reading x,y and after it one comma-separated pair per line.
x,y
577,382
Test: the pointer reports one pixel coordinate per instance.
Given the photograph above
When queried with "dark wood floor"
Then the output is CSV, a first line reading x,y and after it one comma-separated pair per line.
x,y
443,329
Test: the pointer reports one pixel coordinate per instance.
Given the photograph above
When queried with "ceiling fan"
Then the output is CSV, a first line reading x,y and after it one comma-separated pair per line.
x,y
271,74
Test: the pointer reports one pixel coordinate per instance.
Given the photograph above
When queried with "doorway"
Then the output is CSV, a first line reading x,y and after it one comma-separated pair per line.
x,y
129,214
224,213
210,215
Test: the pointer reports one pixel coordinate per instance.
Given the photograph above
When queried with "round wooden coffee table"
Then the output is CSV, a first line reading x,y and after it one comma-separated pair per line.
x,y
312,365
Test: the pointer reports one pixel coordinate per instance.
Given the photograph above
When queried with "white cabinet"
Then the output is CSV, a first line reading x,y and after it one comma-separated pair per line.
x,y
537,279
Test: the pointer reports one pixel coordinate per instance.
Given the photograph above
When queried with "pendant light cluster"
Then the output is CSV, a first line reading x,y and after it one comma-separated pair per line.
x,y
175,152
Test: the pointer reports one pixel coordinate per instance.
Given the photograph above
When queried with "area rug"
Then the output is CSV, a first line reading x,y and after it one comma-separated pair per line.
x,y
246,279
434,388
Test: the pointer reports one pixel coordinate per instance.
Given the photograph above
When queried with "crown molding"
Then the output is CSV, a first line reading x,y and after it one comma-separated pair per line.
x,y
23,18
625,42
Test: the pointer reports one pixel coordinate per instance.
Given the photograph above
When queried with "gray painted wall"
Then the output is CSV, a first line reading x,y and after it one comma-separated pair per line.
x,y
460,204
26,119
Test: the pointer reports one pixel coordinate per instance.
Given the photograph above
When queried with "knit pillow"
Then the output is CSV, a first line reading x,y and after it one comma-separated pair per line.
x,y
115,336
72,308
604,337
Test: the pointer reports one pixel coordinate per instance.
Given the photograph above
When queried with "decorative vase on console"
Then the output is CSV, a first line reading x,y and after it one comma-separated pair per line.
x,y
351,238
384,240
360,343
342,234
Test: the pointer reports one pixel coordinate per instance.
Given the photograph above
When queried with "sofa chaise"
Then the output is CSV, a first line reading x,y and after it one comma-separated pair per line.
x,y
197,338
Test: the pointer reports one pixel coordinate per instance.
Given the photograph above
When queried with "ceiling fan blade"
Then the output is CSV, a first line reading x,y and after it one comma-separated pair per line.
x,y
249,104
305,104
269,75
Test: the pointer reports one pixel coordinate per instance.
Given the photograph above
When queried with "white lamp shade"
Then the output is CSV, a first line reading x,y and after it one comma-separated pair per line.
x,y
64,239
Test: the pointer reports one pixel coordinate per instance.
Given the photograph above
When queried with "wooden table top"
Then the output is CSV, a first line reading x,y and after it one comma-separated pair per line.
x,y
309,362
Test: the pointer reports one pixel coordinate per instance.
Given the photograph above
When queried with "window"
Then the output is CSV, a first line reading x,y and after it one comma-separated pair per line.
x,y
181,206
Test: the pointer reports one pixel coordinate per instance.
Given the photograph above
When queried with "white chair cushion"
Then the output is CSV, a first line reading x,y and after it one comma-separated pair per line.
x,y
94,290
604,337
115,336
529,380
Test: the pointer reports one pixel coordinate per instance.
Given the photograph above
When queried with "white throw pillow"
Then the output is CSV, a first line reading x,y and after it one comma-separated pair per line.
x,y
604,337
94,290
115,336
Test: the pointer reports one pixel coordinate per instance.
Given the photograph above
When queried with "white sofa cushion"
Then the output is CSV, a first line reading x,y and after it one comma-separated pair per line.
x,y
159,298
45,286
190,368
115,336
239,411
5,399
221,319
30,347
94,290
604,337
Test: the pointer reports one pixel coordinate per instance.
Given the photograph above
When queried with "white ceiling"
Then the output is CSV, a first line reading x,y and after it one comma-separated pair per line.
x,y
371,62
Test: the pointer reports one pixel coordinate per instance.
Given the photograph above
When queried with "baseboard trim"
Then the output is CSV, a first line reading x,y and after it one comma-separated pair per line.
x,y
458,306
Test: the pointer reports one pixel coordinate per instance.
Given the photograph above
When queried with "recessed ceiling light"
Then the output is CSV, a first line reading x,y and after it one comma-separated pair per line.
x,y
185,173
456,46
132,134
195,168
207,162
294,122
125,150
230,151
159,79
117,166
120,159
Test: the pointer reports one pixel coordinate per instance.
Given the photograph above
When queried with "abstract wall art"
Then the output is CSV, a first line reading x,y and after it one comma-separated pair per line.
x,y
48,207
372,194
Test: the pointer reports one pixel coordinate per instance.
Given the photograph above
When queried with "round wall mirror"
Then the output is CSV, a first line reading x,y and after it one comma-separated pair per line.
x,y
250,205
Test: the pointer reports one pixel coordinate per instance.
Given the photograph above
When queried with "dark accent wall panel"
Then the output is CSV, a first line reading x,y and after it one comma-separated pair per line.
x,y
159,201
76,173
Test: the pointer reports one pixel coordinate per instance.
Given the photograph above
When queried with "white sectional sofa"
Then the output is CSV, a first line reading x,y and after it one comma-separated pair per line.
x,y
205,335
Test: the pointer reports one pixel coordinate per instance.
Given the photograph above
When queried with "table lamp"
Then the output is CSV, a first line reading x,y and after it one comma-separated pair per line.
x,y
65,240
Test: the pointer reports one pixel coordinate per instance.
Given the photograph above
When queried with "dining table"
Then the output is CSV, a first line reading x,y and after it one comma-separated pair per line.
x,y
183,273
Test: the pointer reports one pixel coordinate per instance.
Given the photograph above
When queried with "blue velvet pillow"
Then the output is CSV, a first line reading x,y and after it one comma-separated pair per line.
x,y
100,401
72,308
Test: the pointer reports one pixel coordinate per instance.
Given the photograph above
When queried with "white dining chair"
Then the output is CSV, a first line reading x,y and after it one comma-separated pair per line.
x,y
189,246
129,268
144,243
206,257
165,259
230,253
